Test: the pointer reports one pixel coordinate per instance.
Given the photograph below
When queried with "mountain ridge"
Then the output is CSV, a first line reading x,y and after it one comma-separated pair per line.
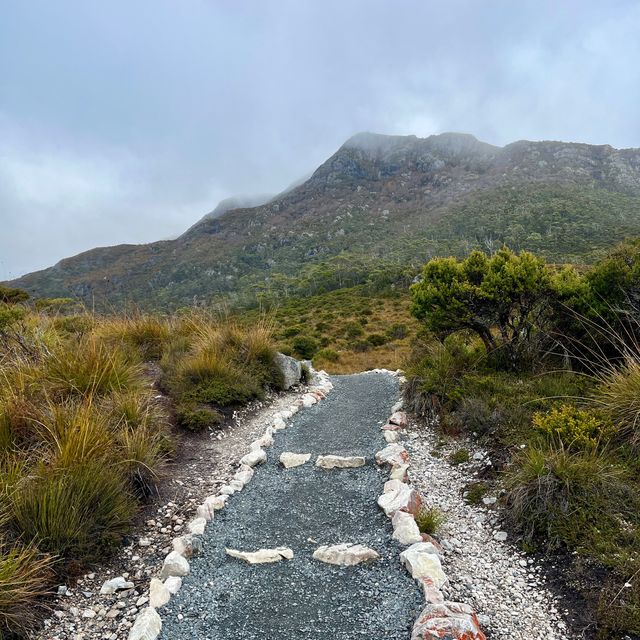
x,y
382,198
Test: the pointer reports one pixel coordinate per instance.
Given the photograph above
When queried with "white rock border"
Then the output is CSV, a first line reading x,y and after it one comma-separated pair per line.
x,y
400,502
148,624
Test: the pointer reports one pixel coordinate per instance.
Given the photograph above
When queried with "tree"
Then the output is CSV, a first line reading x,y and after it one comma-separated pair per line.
x,y
503,298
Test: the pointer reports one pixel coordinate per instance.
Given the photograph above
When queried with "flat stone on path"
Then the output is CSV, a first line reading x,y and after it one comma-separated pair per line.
x,y
345,555
262,556
340,462
290,460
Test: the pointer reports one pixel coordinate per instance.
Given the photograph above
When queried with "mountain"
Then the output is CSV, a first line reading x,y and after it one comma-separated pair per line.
x,y
380,202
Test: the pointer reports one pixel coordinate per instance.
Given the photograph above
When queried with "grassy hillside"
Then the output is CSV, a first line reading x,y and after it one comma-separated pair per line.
x,y
390,204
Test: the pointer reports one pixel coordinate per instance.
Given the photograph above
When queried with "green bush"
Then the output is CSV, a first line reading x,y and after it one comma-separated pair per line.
x,y
376,339
196,418
328,354
475,492
305,347
24,577
353,330
558,496
74,512
574,428
397,331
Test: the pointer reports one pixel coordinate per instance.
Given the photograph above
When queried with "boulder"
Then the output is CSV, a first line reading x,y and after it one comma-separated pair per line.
x,y
391,436
451,620
399,418
290,460
159,595
393,454
339,462
399,496
345,555
147,625
115,584
405,529
254,458
174,565
262,556
291,369
423,561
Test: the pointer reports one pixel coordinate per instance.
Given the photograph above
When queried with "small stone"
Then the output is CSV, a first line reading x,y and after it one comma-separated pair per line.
x,y
447,620
399,418
500,536
391,436
159,595
399,472
254,458
393,455
173,584
422,560
147,625
174,565
339,462
399,496
88,613
115,584
489,500
345,555
197,526
262,556
290,460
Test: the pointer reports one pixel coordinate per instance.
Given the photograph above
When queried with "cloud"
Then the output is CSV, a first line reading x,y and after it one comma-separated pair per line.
x,y
128,121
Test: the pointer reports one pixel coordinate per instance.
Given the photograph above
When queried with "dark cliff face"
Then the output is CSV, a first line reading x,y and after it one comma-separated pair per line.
x,y
377,195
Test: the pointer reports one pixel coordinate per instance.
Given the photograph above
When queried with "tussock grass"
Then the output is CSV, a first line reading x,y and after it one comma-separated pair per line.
x,y
429,519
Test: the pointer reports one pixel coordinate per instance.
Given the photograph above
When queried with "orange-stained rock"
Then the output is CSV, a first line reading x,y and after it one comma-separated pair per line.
x,y
447,621
391,427
399,418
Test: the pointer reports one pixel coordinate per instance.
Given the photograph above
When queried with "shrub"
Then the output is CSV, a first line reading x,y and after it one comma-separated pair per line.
x,y
397,331
429,519
561,496
305,347
475,415
24,576
328,354
352,330
376,339
197,418
91,368
75,512
360,346
618,394
575,428
460,456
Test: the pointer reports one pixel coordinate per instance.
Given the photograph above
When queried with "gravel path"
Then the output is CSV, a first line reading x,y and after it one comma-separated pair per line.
x,y
302,508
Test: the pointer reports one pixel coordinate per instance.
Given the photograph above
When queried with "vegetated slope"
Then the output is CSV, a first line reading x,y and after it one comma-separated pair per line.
x,y
378,201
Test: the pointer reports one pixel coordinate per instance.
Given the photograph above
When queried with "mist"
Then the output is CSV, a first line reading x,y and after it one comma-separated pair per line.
x,y
127,122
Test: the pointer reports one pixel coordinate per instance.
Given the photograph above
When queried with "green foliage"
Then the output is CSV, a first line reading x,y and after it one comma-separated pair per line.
x,y
376,339
197,417
74,512
305,347
9,295
618,394
502,298
429,519
562,497
574,428
475,491
460,456
24,578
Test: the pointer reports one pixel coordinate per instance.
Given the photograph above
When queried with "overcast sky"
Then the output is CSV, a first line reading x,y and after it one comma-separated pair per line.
x,y
127,120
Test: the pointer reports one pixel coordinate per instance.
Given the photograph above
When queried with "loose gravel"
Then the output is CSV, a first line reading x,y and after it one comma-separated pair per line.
x,y
303,508
485,569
